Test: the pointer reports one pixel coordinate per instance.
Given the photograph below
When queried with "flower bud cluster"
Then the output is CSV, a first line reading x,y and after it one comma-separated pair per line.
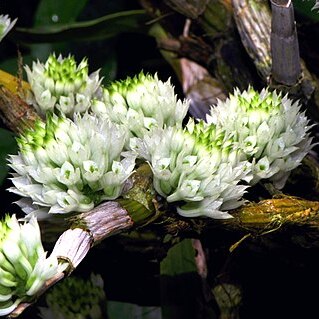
x,y
69,166
141,103
270,131
200,178
63,85
24,267
76,298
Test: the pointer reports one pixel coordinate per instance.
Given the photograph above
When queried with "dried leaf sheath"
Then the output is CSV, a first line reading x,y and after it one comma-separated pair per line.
x,y
286,68
15,112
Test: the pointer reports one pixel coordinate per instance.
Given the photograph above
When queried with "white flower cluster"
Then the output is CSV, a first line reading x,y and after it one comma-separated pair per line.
x,y
141,103
268,129
24,267
202,179
249,137
69,166
204,169
5,25
63,85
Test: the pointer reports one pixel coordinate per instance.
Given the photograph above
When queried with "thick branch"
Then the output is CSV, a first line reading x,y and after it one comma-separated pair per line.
x,y
15,113
271,214
253,21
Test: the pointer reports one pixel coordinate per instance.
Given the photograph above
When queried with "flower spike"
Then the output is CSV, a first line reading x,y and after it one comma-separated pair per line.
x,y
24,267
271,131
200,178
61,84
69,166
141,103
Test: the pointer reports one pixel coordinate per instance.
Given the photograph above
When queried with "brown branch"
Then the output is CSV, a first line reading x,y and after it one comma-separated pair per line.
x,y
273,214
256,218
253,21
15,113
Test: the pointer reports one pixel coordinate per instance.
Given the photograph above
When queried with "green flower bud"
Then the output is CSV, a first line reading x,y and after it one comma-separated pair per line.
x,y
76,298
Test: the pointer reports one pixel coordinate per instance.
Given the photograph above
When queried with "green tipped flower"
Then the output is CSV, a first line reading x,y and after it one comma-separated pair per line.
x,y
24,267
76,298
201,178
65,166
61,84
269,129
142,103
5,25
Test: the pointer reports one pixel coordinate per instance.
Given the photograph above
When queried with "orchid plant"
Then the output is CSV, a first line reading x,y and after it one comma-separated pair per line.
x,y
91,138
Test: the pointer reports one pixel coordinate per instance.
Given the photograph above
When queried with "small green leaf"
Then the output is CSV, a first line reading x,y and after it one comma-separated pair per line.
x,y
180,259
8,145
139,200
102,28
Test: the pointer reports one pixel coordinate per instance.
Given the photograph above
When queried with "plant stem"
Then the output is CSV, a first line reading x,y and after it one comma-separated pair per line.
x,y
286,68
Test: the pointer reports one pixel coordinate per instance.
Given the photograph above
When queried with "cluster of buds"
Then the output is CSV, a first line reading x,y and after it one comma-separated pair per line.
x,y
24,267
5,25
70,166
76,298
201,178
61,84
141,103
269,130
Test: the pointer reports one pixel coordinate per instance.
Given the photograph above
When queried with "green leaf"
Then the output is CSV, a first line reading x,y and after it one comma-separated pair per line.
x,y
180,259
51,13
57,12
12,66
305,8
182,289
117,310
8,145
102,28
179,282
